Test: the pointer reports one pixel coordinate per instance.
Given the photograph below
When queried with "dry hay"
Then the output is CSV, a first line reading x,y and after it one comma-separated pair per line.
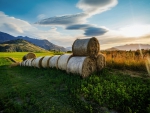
x,y
101,61
28,56
29,61
38,61
33,62
63,60
23,63
45,61
53,62
83,66
86,47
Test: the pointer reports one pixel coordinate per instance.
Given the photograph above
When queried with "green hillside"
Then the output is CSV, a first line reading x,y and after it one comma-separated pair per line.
x,y
20,45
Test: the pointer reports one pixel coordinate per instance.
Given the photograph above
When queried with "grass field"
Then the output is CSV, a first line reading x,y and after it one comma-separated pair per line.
x,y
18,55
27,89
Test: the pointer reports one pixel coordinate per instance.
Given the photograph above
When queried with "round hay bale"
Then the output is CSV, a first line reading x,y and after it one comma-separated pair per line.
x,y
28,63
53,62
63,60
86,47
100,61
33,62
45,61
24,63
21,63
83,66
28,56
38,62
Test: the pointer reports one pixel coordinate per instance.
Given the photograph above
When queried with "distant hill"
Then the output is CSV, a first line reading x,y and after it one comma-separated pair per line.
x,y
41,43
6,37
112,49
129,47
20,45
69,48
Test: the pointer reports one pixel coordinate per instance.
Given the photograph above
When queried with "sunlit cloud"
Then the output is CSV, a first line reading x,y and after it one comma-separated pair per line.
x,y
93,7
135,30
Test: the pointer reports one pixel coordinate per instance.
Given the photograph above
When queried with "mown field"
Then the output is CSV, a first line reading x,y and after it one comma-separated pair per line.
x,y
31,90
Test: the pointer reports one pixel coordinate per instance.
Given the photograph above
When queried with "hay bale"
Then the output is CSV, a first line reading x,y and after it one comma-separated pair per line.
x,y
38,62
21,63
45,61
28,56
33,63
100,61
63,60
28,63
83,66
24,63
53,62
86,47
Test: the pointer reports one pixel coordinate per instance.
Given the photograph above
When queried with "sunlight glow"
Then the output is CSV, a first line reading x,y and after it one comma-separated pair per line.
x,y
148,65
135,30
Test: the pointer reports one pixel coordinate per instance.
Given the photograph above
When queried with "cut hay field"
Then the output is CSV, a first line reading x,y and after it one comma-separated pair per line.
x,y
33,90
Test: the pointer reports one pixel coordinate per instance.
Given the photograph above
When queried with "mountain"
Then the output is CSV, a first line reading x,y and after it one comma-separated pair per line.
x,y
20,45
69,48
129,47
6,37
41,43
112,49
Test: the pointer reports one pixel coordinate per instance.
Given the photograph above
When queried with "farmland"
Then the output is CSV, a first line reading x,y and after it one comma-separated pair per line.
x,y
28,89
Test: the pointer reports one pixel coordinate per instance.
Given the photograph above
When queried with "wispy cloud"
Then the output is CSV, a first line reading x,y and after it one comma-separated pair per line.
x,y
93,7
64,20
78,21
89,30
18,27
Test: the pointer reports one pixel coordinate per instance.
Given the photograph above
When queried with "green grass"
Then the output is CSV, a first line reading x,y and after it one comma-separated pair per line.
x,y
18,55
27,89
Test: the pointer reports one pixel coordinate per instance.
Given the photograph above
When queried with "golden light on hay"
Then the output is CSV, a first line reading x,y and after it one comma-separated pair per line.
x,y
147,62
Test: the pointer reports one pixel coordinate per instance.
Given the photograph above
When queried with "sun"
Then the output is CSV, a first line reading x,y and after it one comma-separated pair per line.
x,y
135,30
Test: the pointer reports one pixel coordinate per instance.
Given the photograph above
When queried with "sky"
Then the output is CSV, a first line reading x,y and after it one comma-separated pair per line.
x,y
112,22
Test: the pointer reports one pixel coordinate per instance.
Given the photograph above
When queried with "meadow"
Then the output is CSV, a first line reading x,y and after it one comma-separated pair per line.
x,y
130,60
28,89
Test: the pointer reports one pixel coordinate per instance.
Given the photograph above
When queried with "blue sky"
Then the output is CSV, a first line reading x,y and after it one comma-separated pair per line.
x,y
113,22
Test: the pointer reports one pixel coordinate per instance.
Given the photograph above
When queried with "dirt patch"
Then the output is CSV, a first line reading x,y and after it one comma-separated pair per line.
x,y
133,73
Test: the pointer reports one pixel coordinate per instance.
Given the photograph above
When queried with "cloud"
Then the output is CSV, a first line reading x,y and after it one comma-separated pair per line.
x,y
18,27
10,27
114,38
64,20
89,30
96,6
89,7
41,16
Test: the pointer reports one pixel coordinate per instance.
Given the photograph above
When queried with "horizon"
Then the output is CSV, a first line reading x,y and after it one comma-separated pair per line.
x,y
112,22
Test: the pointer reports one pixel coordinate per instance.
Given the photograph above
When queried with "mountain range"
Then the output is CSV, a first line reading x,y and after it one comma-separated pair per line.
x,y
20,45
41,43
129,47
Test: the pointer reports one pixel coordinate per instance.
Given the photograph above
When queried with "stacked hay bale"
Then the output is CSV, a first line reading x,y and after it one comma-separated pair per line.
x,y
85,59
